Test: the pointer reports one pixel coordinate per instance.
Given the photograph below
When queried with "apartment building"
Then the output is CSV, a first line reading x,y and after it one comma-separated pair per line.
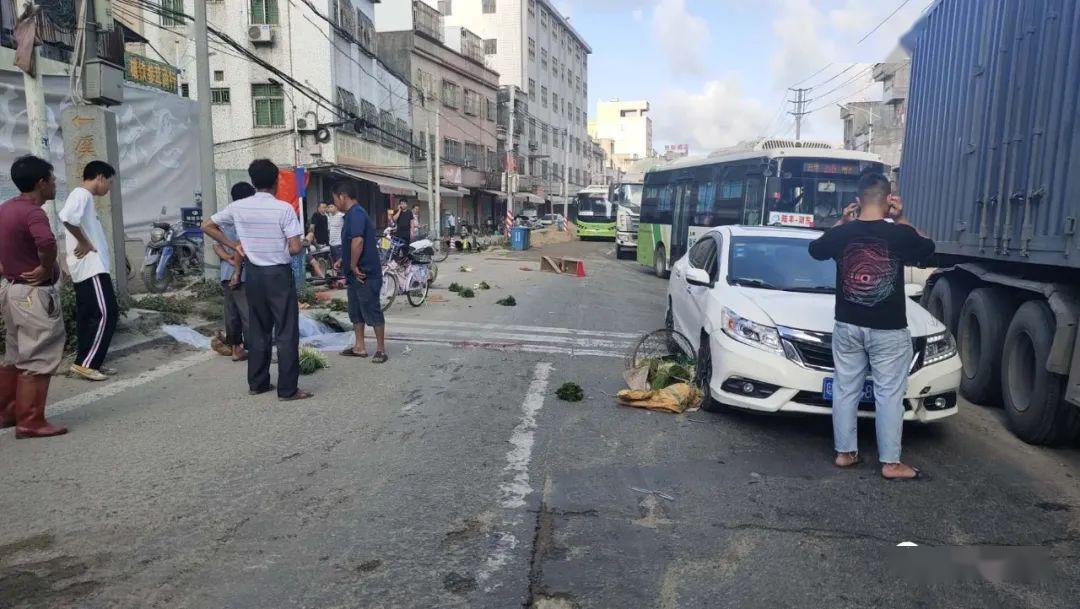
x,y
328,51
538,52
453,88
629,128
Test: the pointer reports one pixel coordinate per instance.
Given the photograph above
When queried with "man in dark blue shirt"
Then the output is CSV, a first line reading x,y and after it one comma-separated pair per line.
x,y
364,276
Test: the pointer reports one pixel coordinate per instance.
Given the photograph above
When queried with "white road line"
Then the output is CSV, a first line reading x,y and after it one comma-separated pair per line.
x,y
393,321
112,388
474,335
507,346
516,488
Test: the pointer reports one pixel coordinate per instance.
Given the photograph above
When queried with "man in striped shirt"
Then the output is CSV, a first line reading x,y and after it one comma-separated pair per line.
x,y
269,234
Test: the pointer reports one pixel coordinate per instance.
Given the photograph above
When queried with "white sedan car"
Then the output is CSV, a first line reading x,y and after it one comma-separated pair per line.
x,y
759,310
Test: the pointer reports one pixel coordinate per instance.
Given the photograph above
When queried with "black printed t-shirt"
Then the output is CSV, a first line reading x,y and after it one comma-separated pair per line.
x,y
870,258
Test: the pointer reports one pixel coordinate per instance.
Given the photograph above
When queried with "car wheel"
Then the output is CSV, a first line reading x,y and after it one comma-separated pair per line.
x,y
660,262
980,335
703,376
1035,408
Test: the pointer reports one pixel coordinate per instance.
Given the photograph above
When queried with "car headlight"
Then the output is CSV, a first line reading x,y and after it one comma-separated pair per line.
x,y
749,332
157,234
939,347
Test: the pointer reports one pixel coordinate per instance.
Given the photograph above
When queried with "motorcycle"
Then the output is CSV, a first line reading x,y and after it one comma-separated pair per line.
x,y
174,251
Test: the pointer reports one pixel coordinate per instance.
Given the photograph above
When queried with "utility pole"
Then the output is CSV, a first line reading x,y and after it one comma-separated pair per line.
x,y
437,179
433,219
566,173
206,136
511,153
37,115
800,111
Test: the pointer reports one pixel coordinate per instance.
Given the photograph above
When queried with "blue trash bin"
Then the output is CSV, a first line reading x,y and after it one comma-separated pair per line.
x,y
519,238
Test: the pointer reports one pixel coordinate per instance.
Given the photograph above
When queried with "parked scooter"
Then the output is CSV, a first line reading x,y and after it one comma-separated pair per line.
x,y
174,251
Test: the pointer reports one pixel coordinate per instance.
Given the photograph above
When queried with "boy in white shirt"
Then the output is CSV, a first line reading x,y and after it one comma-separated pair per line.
x,y
88,259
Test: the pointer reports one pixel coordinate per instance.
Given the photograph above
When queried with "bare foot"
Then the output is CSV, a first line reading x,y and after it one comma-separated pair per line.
x,y
847,459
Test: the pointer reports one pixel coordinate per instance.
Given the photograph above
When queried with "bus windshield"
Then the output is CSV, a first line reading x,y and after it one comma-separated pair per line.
x,y
595,208
814,192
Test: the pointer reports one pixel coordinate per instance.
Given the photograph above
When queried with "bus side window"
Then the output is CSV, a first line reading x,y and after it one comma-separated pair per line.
x,y
729,196
650,206
753,200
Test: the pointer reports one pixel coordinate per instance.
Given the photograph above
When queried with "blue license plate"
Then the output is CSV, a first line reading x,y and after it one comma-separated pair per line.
x,y
867,390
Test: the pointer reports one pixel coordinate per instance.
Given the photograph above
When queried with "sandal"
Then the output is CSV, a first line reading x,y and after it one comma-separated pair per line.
x,y
918,477
380,357
268,389
856,461
349,352
299,395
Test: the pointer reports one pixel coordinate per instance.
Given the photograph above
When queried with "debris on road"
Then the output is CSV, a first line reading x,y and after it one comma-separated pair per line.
x,y
524,268
455,287
509,301
407,350
675,398
467,293
465,269
646,491
311,360
339,305
187,335
434,297
570,392
329,321
483,285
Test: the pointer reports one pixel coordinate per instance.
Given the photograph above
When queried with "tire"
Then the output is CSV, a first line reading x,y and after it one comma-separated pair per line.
x,y
660,266
418,292
433,274
442,252
703,376
152,283
1035,409
980,336
946,298
389,291
618,252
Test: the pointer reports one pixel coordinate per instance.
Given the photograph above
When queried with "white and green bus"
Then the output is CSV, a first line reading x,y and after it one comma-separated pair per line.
x,y
596,214
776,183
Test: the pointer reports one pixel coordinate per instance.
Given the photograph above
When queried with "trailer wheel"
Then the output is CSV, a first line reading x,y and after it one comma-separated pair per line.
x,y
1033,396
946,298
980,333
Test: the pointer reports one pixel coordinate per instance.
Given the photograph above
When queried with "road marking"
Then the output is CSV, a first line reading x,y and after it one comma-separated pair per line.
x,y
393,321
118,386
517,487
511,337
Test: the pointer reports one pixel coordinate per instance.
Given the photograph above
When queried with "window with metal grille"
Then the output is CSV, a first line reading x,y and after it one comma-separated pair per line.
x,y
446,7
185,90
172,13
472,103
371,116
492,110
219,75
386,129
543,97
268,105
489,6
220,95
532,49
532,89
263,12
491,46
450,94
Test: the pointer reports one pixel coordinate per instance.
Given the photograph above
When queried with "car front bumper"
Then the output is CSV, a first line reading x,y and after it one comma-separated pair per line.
x,y
799,388
626,239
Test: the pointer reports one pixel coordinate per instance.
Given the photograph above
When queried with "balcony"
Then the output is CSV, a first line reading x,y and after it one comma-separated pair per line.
x,y
427,20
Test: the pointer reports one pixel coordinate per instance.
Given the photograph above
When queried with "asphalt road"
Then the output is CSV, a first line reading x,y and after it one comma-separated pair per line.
x,y
452,477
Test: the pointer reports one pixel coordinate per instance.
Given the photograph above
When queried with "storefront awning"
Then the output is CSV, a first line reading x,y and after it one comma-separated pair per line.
x,y
498,194
387,184
445,192
528,198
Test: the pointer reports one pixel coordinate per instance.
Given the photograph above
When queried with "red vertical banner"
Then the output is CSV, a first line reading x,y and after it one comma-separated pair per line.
x,y
286,187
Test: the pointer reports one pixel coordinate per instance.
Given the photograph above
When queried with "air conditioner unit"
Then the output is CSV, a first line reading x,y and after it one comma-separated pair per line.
x,y
302,124
263,34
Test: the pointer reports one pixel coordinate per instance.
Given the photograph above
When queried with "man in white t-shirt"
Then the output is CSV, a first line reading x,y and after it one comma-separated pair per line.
x,y
269,233
88,259
334,221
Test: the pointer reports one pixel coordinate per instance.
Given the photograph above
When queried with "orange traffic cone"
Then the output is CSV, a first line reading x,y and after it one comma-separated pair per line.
x,y
580,268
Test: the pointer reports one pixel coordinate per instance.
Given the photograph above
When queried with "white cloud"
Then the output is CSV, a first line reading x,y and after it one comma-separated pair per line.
x,y
681,36
718,115
638,15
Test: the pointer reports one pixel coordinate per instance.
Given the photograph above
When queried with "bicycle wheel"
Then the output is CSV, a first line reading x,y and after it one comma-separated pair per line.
x,y
418,288
442,250
389,291
433,274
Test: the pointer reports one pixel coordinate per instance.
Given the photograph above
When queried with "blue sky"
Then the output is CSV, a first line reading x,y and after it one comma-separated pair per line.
x,y
716,71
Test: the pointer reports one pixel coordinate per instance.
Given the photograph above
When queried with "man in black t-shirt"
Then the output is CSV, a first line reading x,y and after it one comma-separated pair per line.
x,y
871,333
403,222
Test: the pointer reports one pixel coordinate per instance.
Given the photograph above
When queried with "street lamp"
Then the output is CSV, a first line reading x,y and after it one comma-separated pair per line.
x,y
870,132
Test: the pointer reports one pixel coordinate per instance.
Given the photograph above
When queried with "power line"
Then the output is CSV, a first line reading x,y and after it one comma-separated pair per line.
x,y
857,76
823,68
878,26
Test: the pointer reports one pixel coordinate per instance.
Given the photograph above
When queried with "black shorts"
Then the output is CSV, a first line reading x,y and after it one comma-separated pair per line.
x,y
364,306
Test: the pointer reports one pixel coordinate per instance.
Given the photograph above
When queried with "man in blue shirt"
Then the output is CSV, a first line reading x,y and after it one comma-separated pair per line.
x,y
364,276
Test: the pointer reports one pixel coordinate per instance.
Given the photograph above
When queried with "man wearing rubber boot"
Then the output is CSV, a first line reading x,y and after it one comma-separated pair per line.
x,y
29,301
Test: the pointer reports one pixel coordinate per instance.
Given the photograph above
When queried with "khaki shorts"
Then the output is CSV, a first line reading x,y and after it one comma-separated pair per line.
x,y
34,327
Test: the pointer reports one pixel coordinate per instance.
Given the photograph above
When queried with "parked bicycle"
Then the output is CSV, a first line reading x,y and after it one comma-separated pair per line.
x,y
408,272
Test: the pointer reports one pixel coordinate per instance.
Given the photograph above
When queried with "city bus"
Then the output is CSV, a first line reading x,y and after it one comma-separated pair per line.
x,y
595,214
772,183
627,198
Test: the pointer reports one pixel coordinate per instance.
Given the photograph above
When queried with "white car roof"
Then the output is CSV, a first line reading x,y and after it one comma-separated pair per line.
x,y
768,231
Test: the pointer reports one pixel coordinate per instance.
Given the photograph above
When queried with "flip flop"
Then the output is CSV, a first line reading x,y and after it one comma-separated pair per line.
x,y
379,358
350,353
919,476
858,461
261,391
299,395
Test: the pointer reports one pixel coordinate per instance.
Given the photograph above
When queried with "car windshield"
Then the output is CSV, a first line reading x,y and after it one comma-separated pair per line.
x,y
779,263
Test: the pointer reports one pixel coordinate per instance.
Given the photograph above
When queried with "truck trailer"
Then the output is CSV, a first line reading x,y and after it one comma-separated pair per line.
x,y
991,171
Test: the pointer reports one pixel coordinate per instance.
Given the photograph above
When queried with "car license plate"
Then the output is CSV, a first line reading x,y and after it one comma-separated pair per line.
x,y
867,390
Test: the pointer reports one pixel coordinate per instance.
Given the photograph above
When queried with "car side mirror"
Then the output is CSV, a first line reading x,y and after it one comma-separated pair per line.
x,y
699,277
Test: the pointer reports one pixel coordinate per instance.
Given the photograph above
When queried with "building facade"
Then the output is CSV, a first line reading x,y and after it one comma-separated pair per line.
x,y
538,54
624,128
451,86
326,52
